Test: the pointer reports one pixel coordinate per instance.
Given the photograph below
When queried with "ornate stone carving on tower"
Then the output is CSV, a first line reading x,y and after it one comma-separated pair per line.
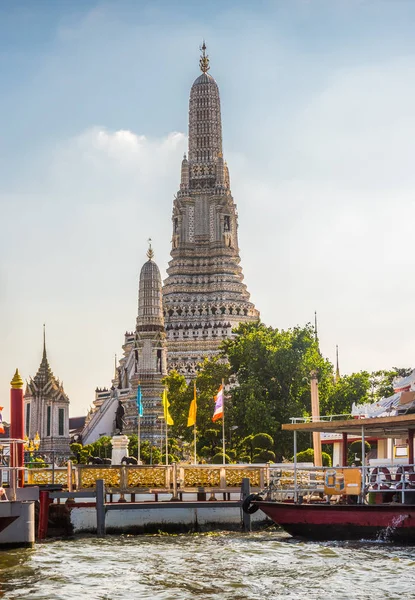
x,y
204,295
143,361
47,408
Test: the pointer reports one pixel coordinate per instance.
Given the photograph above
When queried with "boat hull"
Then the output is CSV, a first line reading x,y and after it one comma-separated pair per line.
x,y
395,523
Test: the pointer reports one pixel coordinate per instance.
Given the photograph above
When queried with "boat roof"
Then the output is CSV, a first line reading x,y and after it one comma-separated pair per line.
x,y
380,427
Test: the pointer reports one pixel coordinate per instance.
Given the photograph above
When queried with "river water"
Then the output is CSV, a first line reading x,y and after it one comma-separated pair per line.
x,y
213,566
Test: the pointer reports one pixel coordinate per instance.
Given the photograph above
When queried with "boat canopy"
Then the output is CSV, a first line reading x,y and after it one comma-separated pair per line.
x,y
380,427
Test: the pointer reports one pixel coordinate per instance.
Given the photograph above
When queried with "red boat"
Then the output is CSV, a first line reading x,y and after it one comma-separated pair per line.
x,y
346,503
394,523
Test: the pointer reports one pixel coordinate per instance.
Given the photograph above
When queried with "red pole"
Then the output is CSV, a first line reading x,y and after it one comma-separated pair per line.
x,y
411,446
17,423
43,514
344,450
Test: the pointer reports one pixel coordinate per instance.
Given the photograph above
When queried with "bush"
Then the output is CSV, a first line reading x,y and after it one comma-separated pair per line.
x,y
354,452
218,459
205,451
244,458
308,456
263,456
37,463
262,441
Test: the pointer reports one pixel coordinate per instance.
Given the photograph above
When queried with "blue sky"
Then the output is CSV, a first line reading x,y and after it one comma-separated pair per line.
x,y
318,117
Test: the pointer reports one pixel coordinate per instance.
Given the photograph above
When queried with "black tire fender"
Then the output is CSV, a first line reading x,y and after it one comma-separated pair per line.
x,y
247,505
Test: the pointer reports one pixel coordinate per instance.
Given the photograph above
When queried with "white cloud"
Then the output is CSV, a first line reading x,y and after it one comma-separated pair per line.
x,y
320,154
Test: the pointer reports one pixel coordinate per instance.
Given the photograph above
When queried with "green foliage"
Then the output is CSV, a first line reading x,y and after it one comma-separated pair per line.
x,y
273,368
244,458
354,452
37,463
308,456
102,447
150,454
264,456
262,440
218,459
180,394
349,389
381,382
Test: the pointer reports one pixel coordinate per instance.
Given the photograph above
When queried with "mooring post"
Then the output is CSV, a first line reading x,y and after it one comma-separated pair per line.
x,y
69,476
100,506
175,496
43,514
245,491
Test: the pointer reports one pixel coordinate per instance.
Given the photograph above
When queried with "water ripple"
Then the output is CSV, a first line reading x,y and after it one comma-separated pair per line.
x,y
212,567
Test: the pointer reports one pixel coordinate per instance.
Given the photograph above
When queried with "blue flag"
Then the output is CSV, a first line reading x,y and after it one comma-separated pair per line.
x,y
139,402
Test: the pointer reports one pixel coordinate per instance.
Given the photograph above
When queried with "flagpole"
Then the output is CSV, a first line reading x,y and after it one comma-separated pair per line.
x,y
139,440
194,426
194,439
166,409
223,422
139,426
167,447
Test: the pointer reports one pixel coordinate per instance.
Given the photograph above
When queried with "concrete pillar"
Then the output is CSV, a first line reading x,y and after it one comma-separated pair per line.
x,y
119,448
337,453
382,448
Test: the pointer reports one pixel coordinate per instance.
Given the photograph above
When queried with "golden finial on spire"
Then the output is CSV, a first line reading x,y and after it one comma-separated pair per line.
x,y
204,59
17,381
150,252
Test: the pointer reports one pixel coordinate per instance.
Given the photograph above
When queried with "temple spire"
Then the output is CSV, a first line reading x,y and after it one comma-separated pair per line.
x,y
44,342
44,373
204,59
337,377
315,326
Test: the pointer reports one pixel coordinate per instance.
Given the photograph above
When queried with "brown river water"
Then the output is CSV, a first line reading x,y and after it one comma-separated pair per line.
x,y
213,566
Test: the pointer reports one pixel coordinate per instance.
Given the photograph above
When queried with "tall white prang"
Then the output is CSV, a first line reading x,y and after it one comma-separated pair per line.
x,y
204,296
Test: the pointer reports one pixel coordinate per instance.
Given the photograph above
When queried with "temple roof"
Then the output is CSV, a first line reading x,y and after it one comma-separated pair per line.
x,y
204,78
45,378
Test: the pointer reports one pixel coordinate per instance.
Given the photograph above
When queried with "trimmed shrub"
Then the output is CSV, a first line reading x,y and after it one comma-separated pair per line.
x,y
263,456
308,456
262,441
244,458
218,459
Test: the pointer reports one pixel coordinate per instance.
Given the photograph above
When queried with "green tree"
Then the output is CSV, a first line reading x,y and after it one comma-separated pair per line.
x,y
272,368
381,382
349,389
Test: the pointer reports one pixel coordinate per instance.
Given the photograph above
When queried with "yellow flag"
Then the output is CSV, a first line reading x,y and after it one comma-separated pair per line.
x,y
166,405
191,420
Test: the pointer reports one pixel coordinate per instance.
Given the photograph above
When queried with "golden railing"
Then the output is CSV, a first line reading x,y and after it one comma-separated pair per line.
x,y
180,478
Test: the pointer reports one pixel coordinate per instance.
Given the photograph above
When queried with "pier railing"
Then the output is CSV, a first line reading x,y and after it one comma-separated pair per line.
x,y
176,478
373,483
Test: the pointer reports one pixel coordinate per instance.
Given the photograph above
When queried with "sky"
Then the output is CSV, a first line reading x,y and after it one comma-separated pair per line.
x,y
318,116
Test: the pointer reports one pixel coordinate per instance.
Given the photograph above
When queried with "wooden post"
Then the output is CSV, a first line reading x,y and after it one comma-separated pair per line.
x,y
245,491
174,497
315,412
100,507
69,476
43,514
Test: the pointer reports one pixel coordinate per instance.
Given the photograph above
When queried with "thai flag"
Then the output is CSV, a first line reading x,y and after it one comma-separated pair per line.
x,y
218,414
1,421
